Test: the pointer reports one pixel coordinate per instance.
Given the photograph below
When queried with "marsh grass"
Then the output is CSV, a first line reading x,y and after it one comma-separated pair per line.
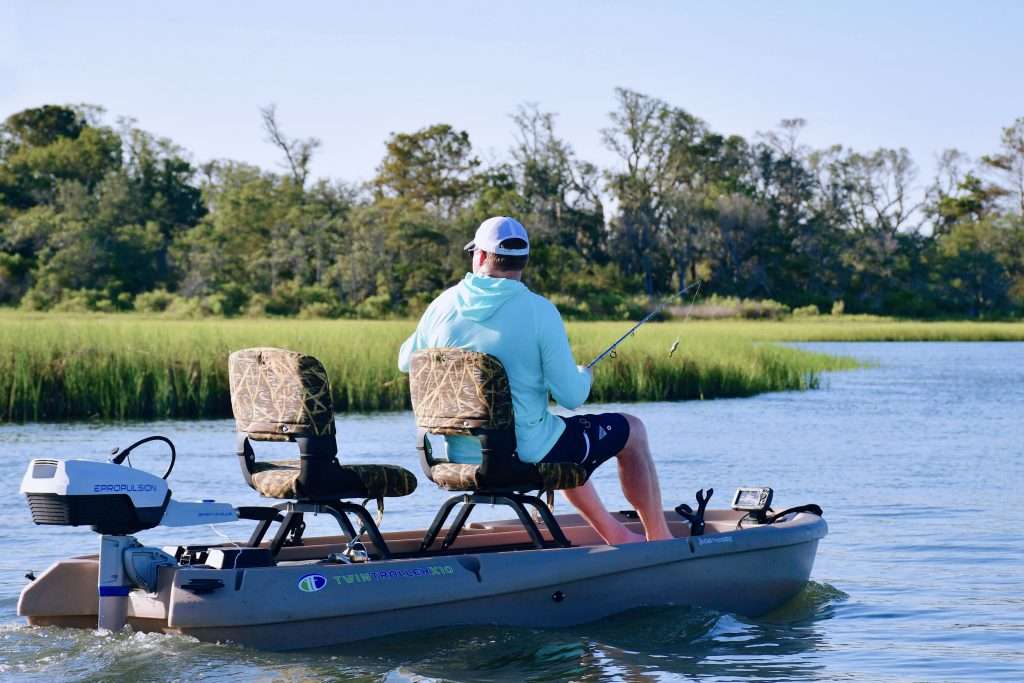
x,y
707,363
863,329
55,367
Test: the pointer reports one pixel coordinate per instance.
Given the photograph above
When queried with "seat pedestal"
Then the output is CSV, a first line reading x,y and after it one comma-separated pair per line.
x,y
516,501
292,525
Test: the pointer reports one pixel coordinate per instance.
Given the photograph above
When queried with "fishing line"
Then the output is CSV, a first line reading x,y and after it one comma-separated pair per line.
x,y
234,564
610,351
689,310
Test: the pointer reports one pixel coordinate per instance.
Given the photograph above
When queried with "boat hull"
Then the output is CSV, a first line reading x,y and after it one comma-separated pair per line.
x,y
305,604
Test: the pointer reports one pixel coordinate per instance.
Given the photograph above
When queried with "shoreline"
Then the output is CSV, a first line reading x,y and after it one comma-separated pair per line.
x,y
58,368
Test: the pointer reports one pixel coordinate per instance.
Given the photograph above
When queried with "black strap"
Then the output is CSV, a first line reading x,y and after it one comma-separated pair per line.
x,y
258,513
121,454
810,507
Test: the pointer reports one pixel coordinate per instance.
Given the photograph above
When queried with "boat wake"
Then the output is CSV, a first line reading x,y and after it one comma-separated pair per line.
x,y
683,640
815,602
52,653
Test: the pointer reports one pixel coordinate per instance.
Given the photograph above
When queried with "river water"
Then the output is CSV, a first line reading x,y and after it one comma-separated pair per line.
x,y
918,462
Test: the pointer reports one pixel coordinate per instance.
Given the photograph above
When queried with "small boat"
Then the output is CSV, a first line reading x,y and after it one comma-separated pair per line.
x,y
287,591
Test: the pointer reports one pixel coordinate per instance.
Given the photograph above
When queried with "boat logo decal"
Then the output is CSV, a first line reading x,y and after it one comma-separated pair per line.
x,y
311,583
394,574
127,488
713,539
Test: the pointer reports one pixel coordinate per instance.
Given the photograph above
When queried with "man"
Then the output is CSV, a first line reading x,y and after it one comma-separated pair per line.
x,y
492,311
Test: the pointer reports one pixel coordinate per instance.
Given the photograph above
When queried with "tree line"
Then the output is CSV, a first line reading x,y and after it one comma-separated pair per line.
x,y
106,217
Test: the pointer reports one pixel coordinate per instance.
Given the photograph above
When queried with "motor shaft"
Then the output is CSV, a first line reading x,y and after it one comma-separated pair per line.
x,y
113,584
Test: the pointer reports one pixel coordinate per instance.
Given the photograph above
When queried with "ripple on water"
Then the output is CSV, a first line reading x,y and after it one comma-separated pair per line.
x,y
917,461
681,640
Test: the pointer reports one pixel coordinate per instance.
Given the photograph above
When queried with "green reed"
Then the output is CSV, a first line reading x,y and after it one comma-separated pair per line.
x,y
55,367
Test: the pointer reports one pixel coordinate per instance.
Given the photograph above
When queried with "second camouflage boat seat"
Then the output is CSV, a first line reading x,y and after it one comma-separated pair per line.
x,y
466,393
281,395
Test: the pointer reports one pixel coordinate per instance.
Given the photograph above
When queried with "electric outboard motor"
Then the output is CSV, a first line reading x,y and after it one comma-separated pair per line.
x,y
116,501
109,498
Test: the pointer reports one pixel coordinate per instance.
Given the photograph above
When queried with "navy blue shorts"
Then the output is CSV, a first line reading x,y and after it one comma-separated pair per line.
x,y
589,440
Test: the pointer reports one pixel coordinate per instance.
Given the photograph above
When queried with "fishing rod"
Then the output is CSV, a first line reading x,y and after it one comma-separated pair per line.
x,y
611,349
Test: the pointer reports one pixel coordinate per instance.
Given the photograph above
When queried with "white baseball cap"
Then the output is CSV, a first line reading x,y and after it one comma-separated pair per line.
x,y
493,231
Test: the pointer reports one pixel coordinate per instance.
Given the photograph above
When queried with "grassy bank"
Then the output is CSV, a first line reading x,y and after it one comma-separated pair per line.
x,y
863,329
56,367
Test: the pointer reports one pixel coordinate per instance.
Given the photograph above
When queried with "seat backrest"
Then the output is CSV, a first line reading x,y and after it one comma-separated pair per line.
x,y
455,391
281,395
459,392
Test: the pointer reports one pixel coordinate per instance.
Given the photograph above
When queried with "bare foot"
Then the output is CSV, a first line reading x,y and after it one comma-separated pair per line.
x,y
627,536
660,537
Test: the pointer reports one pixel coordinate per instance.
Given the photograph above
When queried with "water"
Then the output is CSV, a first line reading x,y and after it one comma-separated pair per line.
x,y
917,462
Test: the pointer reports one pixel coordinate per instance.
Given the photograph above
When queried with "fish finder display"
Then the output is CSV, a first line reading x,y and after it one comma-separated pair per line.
x,y
752,499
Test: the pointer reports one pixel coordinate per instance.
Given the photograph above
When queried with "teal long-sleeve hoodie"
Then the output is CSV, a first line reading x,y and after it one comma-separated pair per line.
x,y
525,332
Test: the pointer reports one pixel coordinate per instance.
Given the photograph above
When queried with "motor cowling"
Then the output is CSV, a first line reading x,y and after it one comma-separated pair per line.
x,y
112,499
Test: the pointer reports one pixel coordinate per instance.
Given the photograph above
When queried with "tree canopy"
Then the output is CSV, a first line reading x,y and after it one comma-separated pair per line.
x,y
106,217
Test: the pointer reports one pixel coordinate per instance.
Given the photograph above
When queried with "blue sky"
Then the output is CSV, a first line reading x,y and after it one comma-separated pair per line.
x,y
925,75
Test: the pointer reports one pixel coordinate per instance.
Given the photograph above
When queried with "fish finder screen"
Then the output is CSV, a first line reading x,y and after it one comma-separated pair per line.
x,y
748,498
752,499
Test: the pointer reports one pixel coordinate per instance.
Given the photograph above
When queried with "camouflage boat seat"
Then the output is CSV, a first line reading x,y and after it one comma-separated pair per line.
x,y
466,393
285,396
280,479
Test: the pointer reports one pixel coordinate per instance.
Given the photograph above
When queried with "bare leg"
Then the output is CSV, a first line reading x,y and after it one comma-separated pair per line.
x,y
585,499
640,481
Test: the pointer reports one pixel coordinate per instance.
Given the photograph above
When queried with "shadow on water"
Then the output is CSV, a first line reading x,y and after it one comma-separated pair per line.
x,y
640,645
